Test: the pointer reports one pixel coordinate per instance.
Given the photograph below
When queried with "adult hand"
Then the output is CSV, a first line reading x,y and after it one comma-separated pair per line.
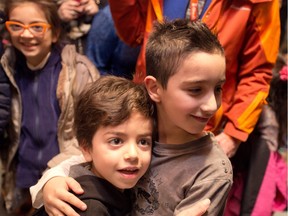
x,y
228,144
57,200
196,210
89,7
70,10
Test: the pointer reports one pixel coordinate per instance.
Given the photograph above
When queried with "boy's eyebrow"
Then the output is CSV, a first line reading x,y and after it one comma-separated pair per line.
x,y
223,80
114,133
193,81
146,134
120,133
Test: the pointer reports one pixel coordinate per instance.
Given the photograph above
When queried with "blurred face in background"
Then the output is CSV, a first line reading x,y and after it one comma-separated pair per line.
x,y
30,32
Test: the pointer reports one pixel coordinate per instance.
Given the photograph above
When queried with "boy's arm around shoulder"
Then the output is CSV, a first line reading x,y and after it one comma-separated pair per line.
x,y
214,182
60,170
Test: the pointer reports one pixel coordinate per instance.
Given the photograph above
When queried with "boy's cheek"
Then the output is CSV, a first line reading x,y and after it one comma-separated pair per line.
x,y
87,154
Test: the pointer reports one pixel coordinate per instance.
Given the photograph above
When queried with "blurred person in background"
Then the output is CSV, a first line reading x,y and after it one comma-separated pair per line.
x,y
77,16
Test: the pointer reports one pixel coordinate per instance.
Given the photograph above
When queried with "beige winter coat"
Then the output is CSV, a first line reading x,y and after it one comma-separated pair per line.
x,y
76,72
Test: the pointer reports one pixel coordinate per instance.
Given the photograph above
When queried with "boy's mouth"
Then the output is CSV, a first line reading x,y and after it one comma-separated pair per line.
x,y
201,119
129,171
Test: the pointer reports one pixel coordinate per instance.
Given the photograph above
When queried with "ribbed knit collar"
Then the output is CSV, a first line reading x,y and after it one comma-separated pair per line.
x,y
40,65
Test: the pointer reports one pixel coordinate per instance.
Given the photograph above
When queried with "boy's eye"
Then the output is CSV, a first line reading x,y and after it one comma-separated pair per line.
x,y
195,90
145,142
219,89
115,141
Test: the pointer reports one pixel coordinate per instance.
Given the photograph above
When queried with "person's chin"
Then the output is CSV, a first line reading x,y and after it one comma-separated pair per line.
x,y
29,53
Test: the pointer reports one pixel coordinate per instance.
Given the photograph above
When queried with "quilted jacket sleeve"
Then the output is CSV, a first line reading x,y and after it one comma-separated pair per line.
x,y
5,100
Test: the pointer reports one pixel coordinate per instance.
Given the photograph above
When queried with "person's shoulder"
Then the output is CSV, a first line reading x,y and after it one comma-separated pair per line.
x,y
82,63
218,161
219,154
101,197
217,169
94,207
69,54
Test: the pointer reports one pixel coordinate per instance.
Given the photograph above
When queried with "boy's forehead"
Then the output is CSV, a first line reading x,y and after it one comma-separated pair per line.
x,y
200,67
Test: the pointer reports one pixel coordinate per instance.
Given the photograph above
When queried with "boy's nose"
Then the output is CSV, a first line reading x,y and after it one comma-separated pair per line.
x,y
211,104
131,153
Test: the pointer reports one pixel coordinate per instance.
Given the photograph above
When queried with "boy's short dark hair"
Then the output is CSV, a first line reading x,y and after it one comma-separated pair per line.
x,y
109,101
171,42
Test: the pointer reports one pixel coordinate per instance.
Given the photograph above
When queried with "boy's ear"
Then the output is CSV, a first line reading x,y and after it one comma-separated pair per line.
x,y
153,88
86,153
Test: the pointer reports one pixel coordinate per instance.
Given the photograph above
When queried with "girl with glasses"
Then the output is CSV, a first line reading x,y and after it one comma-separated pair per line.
x,y
45,78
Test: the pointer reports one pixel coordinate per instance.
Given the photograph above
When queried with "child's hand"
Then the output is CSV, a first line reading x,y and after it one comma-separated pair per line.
x,y
196,210
57,199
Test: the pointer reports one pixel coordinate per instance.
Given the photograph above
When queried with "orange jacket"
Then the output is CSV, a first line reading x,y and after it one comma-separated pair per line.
x,y
249,32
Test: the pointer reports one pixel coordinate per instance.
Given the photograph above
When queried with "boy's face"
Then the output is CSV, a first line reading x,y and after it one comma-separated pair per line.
x,y
192,96
121,154
34,47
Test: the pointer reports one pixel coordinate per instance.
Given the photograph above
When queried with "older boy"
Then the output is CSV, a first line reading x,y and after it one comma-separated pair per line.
x,y
186,67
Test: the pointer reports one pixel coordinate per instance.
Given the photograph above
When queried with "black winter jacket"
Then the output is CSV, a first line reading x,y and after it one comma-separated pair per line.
x,y
5,101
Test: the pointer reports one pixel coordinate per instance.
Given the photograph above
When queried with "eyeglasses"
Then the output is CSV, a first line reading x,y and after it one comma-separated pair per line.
x,y
37,29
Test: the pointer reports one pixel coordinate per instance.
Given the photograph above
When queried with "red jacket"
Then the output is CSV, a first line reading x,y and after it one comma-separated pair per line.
x,y
249,32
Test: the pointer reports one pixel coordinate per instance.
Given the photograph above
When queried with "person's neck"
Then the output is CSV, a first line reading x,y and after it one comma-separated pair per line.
x,y
42,63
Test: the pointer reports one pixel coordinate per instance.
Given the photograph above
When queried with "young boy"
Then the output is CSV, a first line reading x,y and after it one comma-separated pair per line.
x,y
113,124
186,66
